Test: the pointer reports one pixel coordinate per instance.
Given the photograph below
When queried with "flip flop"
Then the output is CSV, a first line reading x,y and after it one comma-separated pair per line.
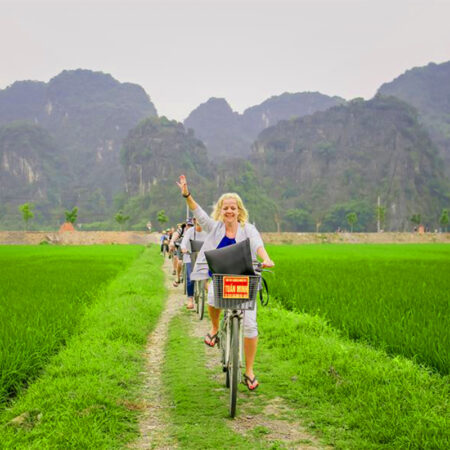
x,y
176,283
249,382
212,340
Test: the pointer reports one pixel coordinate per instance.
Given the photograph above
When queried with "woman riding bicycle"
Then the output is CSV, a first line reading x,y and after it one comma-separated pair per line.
x,y
195,233
226,226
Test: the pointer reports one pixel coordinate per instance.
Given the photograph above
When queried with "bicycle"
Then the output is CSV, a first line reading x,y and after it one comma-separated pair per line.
x,y
234,294
184,279
199,291
199,285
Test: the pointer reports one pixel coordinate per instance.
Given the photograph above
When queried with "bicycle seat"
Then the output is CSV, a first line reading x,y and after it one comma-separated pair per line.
x,y
234,259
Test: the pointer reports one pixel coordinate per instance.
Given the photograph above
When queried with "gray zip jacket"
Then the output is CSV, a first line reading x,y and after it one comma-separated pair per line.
x,y
216,232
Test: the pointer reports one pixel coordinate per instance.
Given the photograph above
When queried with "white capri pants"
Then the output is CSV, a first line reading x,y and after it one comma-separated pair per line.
x,y
250,325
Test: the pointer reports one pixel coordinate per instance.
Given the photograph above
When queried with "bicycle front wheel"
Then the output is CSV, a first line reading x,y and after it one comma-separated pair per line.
x,y
234,365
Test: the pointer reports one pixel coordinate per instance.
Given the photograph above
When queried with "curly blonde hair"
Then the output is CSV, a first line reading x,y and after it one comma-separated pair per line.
x,y
242,211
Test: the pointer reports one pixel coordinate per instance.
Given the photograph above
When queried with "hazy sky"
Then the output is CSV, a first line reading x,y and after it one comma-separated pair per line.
x,y
183,52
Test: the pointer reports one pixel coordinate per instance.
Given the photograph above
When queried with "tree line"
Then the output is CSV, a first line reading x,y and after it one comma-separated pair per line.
x,y
297,216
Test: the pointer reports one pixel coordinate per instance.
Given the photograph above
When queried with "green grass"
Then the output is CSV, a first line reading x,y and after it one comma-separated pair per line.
x,y
89,394
394,296
352,395
346,393
44,292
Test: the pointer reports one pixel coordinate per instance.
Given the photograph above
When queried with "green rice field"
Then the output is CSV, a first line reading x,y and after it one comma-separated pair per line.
x,y
44,292
74,327
393,296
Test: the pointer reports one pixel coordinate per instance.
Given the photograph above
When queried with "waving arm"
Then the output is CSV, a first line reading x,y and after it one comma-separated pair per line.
x,y
182,184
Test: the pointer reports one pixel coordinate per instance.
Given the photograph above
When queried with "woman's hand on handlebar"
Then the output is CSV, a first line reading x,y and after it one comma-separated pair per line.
x,y
267,263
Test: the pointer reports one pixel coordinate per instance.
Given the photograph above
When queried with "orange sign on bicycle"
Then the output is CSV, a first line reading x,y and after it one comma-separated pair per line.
x,y
235,287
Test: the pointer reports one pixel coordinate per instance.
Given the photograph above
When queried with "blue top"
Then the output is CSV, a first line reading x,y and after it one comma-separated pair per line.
x,y
225,242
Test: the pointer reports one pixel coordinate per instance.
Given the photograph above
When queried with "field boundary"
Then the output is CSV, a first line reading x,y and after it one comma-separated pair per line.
x,y
356,238
144,238
78,237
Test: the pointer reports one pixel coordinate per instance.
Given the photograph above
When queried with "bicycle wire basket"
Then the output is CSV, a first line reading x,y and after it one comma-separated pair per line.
x,y
235,291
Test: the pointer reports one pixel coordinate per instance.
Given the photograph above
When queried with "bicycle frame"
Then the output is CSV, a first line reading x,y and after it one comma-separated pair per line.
x,y
235,294
226,331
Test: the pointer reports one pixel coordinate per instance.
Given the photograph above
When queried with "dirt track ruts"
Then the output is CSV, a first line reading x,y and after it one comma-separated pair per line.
x,y
154,425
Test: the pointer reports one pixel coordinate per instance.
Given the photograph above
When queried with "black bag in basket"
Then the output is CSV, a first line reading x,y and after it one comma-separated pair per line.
x,y
234,259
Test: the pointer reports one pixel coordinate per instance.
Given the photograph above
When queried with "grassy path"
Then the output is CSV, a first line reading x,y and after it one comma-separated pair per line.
x,y
195,400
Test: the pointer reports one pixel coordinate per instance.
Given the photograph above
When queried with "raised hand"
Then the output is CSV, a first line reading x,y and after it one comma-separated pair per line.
x,y
182,184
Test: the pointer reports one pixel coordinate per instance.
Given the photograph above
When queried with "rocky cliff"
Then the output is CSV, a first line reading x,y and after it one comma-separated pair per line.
x,y
87,114
323,166
228,134
154,154
428,90
31,168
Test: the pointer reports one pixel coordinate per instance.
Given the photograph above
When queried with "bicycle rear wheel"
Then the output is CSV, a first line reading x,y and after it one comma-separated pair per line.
x,y
201,300
234,365
196,295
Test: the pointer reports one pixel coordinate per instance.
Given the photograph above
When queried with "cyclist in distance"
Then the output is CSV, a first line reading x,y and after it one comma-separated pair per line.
x,y
195,233
227,225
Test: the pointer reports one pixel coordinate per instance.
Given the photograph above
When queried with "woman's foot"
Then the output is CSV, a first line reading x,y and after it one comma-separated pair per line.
x,y
211,339
176,283
190,304
251,382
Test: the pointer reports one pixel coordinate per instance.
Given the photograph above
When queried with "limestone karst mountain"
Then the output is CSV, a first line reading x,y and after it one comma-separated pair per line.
x,y
87,114
428,90
315,159
325,165
228,134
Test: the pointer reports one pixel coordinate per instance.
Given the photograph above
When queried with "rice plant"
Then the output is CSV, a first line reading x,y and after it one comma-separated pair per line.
x,y
393,296
43,293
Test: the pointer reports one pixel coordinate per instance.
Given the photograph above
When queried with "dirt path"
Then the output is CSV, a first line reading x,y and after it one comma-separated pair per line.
x,y
154,425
